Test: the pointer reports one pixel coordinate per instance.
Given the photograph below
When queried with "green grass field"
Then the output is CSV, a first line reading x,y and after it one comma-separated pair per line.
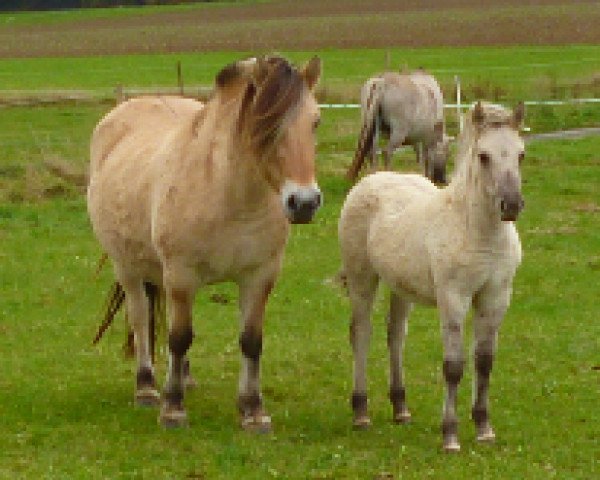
x,y
66,408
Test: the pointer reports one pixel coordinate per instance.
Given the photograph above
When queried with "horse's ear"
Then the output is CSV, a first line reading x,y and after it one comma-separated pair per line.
x,y
518,116
312,72
478,116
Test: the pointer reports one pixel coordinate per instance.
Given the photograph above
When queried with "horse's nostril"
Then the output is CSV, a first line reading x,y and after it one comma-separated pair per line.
x,y
292,202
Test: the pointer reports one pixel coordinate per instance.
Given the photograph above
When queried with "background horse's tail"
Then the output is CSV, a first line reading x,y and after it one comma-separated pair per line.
x,y
156,311
368,131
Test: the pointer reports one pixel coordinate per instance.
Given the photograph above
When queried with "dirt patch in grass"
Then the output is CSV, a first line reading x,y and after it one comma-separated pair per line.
x,y
312,24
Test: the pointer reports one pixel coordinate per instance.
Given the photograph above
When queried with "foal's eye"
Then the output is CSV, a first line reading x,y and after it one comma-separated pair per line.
x,y
316,123
521,157
484,158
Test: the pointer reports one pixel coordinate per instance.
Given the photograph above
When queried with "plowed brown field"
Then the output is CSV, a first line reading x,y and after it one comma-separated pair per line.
x,y
313,24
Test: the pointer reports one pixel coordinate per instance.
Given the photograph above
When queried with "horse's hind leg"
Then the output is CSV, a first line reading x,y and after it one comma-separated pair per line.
x,y
396,334
361,289
253,298
485,332
146,393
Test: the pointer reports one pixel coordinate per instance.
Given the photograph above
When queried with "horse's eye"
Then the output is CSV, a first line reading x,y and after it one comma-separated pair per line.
x,y
521,157
316,123
484,158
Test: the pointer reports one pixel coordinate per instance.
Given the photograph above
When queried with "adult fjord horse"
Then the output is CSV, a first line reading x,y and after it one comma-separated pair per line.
x,y
183,194
408,108
452,248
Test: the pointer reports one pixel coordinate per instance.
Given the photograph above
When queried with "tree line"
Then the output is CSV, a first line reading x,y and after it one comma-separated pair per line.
x,y
25,5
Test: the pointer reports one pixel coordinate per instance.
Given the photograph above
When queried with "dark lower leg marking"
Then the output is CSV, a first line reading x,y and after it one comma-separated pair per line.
x,y
174,397
397,396
248,404
145,378
180,341
359,403
453,371
483,363
483,366
251,344
450,427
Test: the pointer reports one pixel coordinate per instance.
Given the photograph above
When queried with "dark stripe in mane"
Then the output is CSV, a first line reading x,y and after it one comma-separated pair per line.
x,y
274,88
278,93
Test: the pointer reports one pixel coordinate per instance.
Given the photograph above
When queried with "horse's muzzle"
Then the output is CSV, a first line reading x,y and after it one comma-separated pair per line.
x,y
511,208
511,200
301,203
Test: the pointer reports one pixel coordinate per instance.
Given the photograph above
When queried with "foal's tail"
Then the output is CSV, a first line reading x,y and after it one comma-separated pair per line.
x,y
368,131
156,311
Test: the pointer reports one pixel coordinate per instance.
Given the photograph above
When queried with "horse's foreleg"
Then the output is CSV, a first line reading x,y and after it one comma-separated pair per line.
x,y
360,336
396,333
453,309
146,393
253,299
179,304
485,332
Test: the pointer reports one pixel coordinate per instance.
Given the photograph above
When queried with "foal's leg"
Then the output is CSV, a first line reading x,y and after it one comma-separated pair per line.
x,y
253,298
179,304
146,393
361,297
453,309
486,322
396,333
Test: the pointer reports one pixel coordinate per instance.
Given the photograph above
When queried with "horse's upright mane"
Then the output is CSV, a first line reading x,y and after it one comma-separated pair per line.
x,y
270,89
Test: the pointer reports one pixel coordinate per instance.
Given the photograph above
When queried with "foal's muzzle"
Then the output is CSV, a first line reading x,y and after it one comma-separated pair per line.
x,y
301,202
511,200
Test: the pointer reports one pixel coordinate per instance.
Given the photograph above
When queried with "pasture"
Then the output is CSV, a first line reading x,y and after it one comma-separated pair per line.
x,y
66,408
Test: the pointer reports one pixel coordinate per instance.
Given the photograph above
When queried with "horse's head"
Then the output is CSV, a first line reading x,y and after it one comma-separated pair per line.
x,y
278,119
499,151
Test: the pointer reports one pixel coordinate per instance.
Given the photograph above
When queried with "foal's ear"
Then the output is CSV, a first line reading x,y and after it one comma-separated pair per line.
x,y
518,116
478,115
312,72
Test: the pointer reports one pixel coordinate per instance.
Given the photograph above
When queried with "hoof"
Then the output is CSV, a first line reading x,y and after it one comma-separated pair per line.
x,y
257,423
147,397
451,445
486,435
361,423
173,418
402,417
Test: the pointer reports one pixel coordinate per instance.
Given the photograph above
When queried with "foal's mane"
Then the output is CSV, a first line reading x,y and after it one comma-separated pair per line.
x,y
270,89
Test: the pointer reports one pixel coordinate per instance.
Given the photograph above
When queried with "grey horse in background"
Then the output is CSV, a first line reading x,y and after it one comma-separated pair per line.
x,y
408,108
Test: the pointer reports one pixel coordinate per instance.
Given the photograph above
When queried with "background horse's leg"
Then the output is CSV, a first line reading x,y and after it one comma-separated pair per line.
x,y
179,308
486,323
396,333
137,312
361,297
453,309
253,299
374,146
397,137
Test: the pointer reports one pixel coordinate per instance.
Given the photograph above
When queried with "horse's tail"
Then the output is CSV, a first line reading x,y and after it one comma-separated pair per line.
x,y
115,299
156,313
368,131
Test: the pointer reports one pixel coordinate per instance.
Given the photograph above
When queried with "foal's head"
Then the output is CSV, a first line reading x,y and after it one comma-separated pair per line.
x,y
498,151
277,122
